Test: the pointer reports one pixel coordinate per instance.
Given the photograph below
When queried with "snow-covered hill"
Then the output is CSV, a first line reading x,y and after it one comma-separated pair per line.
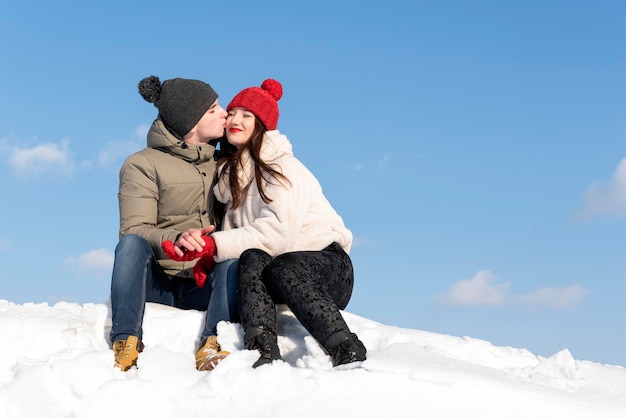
x,y
55,361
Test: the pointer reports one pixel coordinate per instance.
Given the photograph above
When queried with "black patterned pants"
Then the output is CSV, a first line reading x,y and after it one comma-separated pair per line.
x,y
315,285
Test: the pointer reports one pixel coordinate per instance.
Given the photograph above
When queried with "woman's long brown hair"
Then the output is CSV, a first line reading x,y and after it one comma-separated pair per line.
x,y
231,159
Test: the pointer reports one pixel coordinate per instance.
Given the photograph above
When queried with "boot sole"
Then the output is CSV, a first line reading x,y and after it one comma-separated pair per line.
x,y
350,366
211,362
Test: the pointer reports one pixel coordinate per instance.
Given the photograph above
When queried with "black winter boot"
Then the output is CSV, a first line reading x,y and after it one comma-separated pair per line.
x,y
345,347
265,342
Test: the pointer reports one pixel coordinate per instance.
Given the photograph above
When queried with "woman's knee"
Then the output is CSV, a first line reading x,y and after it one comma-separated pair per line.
x,y
252,263
254,257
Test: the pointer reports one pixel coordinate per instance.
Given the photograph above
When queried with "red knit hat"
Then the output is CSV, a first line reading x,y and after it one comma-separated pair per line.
x,y
262,101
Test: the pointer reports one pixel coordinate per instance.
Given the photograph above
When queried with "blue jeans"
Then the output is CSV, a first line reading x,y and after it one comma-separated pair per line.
x,y
138,278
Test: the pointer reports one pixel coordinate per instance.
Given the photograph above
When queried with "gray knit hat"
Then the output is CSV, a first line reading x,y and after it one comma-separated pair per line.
x,y
181,102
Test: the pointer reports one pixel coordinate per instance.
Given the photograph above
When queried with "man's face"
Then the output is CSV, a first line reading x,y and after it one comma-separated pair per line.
x,y
211,124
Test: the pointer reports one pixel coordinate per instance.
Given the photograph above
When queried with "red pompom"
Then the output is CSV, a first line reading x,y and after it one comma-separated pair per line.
x,y
273,87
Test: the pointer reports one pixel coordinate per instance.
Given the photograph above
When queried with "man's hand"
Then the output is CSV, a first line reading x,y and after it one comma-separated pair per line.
x,y
203,266
191,240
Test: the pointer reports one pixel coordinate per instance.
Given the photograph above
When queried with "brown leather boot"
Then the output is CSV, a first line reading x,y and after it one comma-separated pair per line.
x,y
210,354
126,352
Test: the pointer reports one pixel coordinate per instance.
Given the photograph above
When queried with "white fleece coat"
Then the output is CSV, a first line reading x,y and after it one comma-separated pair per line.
x,y
299,217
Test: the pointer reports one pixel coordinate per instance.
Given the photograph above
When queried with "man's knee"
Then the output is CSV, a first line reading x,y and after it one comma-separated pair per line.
x,y
130,243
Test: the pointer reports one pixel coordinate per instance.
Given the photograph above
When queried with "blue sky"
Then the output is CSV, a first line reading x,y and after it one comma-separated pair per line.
x,y
477,150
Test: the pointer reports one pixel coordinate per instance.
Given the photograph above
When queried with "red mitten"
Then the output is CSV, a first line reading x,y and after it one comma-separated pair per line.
x,y
188,255
203,266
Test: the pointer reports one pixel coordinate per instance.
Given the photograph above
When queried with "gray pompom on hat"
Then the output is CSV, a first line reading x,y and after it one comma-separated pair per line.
x,y
181,102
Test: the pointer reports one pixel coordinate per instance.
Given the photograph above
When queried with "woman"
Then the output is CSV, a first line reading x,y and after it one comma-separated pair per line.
x,y
291,244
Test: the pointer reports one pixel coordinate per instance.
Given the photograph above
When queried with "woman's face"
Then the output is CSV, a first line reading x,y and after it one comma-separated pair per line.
x,y
239,126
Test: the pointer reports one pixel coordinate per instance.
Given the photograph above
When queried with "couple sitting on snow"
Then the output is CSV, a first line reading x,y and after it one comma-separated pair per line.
x,y
231,231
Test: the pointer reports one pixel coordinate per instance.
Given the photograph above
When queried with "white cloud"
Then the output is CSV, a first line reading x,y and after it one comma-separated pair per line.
x,y
479,290
115,152
484,290
606,198
44,159
57,159
142,131
97,263
553,297
384,161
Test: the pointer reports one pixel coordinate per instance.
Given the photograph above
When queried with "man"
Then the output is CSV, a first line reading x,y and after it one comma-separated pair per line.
x,y
165,193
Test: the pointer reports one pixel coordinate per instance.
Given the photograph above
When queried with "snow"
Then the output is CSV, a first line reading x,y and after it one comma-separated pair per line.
x,y
56,362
